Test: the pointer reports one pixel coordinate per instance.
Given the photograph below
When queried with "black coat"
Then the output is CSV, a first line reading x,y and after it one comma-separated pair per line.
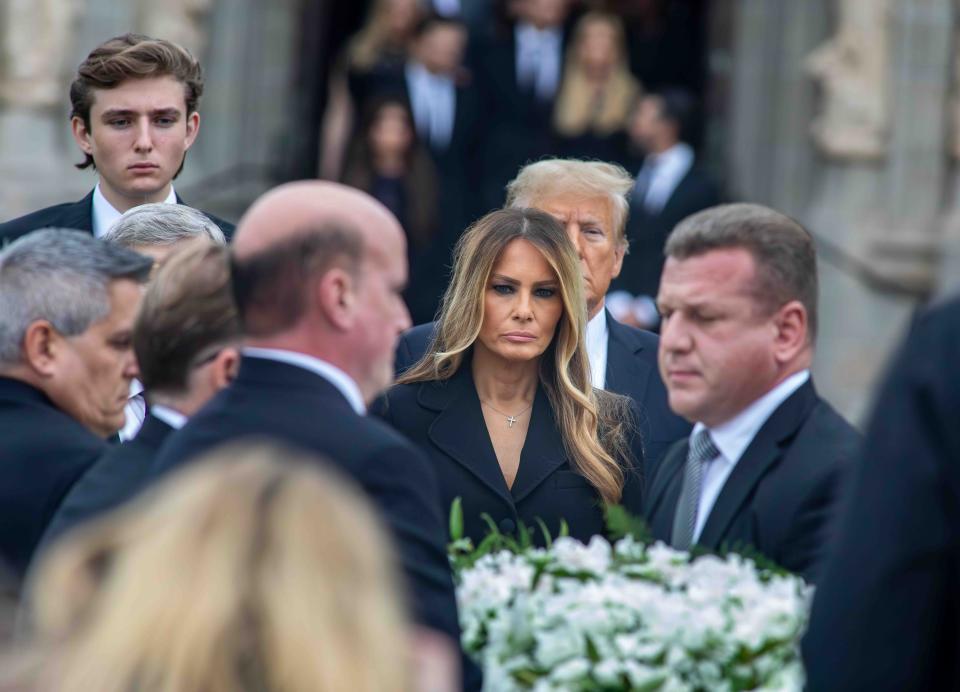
x,y
118,475
295,406
42,453
782,495
445,420
886,614
647,233
631,371
75,215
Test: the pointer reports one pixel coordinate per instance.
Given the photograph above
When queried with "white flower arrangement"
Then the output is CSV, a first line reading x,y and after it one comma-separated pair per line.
x,y
627,616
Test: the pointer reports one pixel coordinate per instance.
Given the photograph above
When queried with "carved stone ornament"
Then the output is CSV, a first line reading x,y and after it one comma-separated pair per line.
x,y
851,68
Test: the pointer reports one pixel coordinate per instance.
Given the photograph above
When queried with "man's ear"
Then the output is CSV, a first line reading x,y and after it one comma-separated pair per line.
x,y
618,254
225,367
792,326
335,293
41,346
193,129
81,134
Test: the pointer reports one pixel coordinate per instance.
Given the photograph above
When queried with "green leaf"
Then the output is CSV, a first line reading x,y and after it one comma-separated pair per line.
x,y
547,539
621,523
456,519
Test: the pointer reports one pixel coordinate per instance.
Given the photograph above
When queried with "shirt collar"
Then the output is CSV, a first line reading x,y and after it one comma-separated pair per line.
x,y
174,419
527,34
597,332
334,375
677,157
105,214
733,437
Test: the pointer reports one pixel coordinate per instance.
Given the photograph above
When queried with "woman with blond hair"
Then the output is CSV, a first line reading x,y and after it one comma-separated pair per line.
x,y
597,92
502,401
253,570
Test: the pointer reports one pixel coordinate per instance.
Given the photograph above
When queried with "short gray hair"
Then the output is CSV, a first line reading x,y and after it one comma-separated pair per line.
x,y
563,177
61,276
782,249
162,224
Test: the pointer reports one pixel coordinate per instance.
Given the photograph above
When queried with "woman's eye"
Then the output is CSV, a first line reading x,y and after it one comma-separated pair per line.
x,y
545,292
503,289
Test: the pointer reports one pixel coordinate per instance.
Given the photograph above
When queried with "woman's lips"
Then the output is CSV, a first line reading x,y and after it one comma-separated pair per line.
x,y
520,337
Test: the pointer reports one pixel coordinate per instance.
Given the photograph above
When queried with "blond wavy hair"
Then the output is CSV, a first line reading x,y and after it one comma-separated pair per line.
x,y
577,110
254,569
593,423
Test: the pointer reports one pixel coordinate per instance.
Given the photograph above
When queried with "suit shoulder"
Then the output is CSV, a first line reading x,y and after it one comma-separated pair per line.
x,y
645,338
42,218
826,442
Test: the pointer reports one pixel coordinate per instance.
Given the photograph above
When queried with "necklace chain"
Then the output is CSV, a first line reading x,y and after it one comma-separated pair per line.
x,y
510,419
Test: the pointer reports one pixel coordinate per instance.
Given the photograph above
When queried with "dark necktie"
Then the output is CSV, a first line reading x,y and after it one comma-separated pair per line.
x,y
701,451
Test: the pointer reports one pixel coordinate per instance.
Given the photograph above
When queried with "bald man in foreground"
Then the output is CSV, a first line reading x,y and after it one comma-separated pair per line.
x,y
318,270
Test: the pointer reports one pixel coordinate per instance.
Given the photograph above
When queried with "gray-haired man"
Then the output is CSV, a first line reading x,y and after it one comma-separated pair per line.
x,y
67,306
157,231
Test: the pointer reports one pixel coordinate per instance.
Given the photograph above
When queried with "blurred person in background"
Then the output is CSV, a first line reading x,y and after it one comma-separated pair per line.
x,y
134,116
156,231
597,92
390,164
518,70
502,401
669,187
377,53
257,569
67,307
186,339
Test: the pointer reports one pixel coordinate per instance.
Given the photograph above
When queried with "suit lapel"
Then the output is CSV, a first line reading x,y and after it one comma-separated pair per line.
x,y
79,216
664,492
543,451
459,430
764,451
626,374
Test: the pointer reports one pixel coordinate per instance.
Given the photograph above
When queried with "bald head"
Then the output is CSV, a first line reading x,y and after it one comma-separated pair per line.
x,y
319,268
289,211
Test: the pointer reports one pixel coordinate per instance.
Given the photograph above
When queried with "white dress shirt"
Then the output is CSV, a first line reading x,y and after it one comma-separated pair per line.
x,y
732,439
134,412
433,99
662,173
331,373
539,56
105,214
174,419
597,339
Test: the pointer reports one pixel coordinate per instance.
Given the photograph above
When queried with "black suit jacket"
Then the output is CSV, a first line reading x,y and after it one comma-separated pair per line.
x,y
515,125
295,406
886,613
445,420
783,492
631,371
42,453
75,215
118,475
647,233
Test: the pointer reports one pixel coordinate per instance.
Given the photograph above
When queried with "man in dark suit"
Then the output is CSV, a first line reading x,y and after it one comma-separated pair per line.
x,y
181,370
589,199
67,306
134,116
669,187
764,464
886,613
518,70
442,101
318,271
